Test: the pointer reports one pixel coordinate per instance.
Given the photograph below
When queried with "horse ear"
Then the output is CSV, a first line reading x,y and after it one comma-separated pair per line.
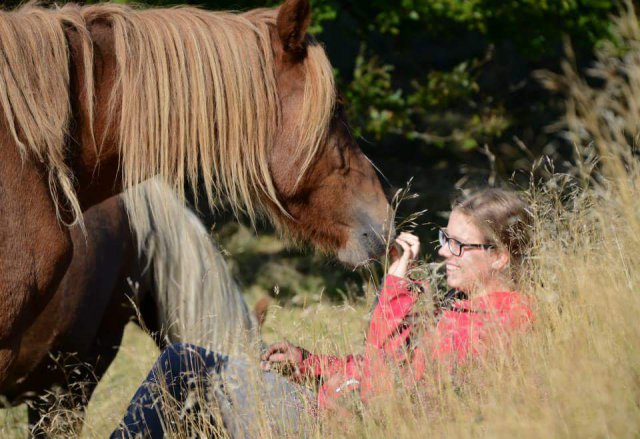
x,y
293,20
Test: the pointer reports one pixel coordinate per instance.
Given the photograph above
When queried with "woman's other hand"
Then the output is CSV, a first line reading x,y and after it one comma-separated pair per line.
x,y
410,245
282,356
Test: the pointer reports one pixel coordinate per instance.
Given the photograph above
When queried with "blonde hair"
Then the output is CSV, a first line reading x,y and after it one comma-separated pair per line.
x,y
34,91
196,296
199,101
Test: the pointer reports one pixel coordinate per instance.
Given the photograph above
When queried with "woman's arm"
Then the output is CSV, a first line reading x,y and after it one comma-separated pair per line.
x,y
300,363
387,330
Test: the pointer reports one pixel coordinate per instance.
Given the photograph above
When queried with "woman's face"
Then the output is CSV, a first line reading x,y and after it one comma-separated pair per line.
x,y
476,269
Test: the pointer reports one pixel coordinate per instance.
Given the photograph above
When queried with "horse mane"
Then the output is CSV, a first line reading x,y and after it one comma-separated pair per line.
x,y
34,91
195,97
197,299
199,101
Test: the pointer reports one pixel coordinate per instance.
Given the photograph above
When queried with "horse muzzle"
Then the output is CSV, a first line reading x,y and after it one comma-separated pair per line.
x,y
367,243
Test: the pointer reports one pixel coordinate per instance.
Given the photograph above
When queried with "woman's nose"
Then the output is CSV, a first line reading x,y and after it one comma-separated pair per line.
x,y
444,252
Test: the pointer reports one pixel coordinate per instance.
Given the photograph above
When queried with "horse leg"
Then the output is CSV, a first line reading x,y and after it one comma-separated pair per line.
x,y
61,412
35,411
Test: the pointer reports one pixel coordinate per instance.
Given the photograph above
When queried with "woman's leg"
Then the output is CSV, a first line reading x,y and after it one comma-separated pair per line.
x,y
180,369
249,402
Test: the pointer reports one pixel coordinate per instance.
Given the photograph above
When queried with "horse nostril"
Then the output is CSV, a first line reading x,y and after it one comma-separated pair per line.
x,y
365,235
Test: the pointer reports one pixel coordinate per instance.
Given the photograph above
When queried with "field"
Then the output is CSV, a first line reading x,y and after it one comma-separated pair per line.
x,y
329,324
577,373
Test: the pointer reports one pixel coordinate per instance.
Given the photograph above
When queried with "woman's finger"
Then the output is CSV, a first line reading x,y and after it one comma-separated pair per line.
x,y
281,346
265,365
279,358
409,237
415,249
401,239
406,253
399,248
414,243
405,247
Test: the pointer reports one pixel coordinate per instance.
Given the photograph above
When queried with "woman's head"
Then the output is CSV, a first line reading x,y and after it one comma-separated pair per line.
x,y
494,225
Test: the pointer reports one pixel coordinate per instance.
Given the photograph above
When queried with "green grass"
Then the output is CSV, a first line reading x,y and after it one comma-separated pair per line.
x,y
128,370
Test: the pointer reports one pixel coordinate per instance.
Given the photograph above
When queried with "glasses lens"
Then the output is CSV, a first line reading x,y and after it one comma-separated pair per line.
x,y
455,246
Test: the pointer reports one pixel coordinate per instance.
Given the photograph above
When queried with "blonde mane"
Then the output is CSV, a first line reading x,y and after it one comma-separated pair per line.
x,y
195,98
34,91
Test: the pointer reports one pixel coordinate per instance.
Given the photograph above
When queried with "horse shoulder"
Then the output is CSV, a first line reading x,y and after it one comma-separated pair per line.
x,y
35,249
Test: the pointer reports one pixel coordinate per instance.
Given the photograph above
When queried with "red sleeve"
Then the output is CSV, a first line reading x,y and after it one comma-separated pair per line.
x,y
387,332
387,337
323,366
387,329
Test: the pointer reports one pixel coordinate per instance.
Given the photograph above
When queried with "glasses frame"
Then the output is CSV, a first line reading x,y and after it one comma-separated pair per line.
x,y
443,238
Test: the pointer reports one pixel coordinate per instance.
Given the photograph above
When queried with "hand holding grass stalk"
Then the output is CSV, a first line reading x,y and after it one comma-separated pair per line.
x,y
410,245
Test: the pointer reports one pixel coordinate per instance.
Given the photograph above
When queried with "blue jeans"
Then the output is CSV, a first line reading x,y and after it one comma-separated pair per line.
x,y
189,384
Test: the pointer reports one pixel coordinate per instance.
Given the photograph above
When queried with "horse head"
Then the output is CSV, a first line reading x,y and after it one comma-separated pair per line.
x,y
329,191
245,104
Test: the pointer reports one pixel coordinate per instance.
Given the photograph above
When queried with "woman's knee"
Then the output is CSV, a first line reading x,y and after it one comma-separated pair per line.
x,y
186,357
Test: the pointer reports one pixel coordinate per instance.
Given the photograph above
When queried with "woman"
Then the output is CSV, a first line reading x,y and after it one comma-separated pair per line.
x,y
482,245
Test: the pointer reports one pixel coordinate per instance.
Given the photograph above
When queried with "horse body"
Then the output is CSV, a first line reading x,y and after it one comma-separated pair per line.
x,y
100,98
76,336
72,319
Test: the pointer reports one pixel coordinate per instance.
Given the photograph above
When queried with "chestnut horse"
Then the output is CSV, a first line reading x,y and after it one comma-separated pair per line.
x,y
181,289
98,98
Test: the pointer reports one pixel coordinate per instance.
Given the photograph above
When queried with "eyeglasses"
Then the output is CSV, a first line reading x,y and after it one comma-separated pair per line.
x,y
456,247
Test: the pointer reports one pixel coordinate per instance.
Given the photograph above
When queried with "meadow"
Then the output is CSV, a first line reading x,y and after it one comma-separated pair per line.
x,y
576,374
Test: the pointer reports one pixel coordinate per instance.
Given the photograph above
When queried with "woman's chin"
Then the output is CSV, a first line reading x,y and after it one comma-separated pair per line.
x,y
454,284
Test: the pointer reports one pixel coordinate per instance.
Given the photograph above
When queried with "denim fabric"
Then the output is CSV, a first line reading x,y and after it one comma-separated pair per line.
x,y
189,381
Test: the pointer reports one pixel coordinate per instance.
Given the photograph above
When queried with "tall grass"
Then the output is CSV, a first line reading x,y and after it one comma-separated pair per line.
x,y
577,372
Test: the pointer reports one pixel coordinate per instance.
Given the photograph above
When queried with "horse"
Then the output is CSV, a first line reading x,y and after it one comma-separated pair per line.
x,y
179,291
99,98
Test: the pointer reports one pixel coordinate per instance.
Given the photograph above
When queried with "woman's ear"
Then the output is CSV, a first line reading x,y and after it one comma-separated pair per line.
x,y
501,259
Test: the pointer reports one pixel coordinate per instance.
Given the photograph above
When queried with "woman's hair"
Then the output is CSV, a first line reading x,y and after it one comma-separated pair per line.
x,y
503,217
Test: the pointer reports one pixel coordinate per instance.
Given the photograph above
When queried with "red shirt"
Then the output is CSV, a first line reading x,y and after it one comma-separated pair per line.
x,y
462,332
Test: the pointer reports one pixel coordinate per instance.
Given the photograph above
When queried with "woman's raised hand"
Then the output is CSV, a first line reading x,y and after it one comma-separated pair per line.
x,y
410,245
